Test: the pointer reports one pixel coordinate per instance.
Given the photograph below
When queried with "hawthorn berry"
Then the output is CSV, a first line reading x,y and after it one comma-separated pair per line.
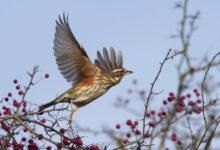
x,y
195,90
15,81
24,104
118,126
199,101
129,122
136,122
188,95
6,99
46,75
148,115
128,134
8,144
62,130
125,141
23,110
178,109
40,136
133,126
148,135
9,94
171,94
164,102
179,142
18,87
138,132
49,147
25,130
43,120
23,139
4,107
197,94
20,92
152,112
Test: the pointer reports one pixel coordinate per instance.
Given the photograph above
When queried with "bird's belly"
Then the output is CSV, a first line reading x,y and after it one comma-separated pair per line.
x,y
87,94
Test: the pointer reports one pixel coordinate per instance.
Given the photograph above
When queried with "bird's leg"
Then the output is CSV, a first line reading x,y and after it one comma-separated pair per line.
x,y
72,113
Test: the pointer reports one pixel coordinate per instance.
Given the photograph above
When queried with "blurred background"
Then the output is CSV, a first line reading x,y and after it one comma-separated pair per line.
x,y
141,29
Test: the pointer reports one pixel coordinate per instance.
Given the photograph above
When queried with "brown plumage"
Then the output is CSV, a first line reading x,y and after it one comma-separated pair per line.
x,y
89,81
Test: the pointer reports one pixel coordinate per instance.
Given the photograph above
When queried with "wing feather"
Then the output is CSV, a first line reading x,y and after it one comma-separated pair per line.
x,y
72,60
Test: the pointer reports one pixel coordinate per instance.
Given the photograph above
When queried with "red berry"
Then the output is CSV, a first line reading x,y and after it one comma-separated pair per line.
x,y
178,109
188,95
6,99
129,91
46,75
148,135
148,115
24,104
0,115
62,130
5,112
25,130
179,142
151,124
43,120
15,81
164,102
129,122
23,110
195,90
191,103
127,101
169,99
4,107
198,94
125,141
128,134
40,136
8,144
152,112
64,140
18,87
133,126
171,94
173,138
136,122
23,139
138,132
30,141
167,149
142,92
183,97
9,94
20,92
199,101
92,147
174,135
21,146
49,147
118,126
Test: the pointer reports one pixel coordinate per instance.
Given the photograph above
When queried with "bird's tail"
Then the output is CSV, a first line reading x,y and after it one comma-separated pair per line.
x,y
52,103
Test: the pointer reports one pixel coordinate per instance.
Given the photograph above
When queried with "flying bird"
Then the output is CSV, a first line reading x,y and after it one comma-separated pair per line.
x,y
89,81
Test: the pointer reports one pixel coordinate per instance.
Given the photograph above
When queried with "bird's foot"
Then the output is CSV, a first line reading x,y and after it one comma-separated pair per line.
x,y
71,115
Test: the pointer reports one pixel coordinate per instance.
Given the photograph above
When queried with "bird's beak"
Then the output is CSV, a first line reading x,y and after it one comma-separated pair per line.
x,y
129,72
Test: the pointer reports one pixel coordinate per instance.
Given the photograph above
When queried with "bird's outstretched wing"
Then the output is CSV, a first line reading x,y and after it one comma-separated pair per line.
x,y
108,63
71,58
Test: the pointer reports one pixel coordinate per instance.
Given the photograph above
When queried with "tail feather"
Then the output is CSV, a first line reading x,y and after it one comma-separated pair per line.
x,y
52,103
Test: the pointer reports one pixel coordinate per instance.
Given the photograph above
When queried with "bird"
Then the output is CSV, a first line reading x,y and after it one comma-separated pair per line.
x,y
89,81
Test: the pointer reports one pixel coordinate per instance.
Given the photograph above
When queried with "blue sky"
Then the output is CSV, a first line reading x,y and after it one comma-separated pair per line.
x,y
141,29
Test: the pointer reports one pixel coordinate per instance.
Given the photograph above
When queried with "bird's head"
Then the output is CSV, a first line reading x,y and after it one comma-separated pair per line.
x,y
117,74
111,65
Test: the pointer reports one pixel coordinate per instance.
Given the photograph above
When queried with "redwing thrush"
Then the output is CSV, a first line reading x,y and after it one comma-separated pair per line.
x,y
89,81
